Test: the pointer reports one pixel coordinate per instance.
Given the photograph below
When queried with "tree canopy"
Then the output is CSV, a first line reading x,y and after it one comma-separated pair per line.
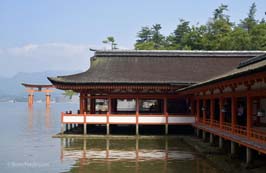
x,y
219,33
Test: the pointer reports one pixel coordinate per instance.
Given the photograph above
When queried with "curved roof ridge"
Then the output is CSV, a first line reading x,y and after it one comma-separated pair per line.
x,y
251,61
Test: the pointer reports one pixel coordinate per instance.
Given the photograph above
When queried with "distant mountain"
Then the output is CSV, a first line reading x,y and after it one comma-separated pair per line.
x,y
11,88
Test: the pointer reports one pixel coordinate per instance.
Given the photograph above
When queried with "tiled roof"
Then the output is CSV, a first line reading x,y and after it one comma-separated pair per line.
x,y
155,67
249,66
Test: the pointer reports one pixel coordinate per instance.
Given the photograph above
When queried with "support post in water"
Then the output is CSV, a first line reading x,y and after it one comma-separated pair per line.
x,y
211,138
198,132
248,155
233,148
137,116
204,135
220,142
62,128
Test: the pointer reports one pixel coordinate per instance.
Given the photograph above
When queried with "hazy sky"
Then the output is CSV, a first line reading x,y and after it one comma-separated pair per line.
x,y
41,35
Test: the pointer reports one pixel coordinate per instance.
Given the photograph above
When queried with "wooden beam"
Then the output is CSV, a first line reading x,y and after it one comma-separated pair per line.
x,y
260,76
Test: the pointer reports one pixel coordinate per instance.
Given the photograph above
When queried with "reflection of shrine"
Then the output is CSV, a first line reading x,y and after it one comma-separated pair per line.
x,y
33,117
136,153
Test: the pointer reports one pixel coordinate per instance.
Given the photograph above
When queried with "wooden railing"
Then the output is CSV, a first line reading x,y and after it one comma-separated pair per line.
x,y
258,135
107,118
208,121
227,127
253,134
240,130
216,124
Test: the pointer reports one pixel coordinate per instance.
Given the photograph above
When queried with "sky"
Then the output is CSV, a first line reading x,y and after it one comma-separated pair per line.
x,y
46,35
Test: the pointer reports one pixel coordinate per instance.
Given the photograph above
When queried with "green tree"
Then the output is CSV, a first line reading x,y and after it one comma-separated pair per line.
x,y
157,37
150,38
110,40
176,39
219,33
258,37
218,29
219,14
69,93
144,35
195,38
249,22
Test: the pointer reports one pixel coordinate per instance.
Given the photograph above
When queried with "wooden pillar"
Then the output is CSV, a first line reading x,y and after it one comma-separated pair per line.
x,y
48,99
84,124
212,110
249,115
248,155
221,106
108,115
92,105
220,142
81,105
165,114
192,106
198,110
233,113
198,132
204,135
204,110
211,138
137,116
233,148
85,103
30,99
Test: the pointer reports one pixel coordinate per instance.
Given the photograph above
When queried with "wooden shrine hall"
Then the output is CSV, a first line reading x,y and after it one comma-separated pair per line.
x,y
232,106
140,87
222,94
32,88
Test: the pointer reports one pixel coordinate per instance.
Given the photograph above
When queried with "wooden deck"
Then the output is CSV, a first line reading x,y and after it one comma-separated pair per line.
x,y
240,139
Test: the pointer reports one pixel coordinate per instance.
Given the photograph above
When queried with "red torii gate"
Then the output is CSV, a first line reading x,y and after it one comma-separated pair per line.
x,y
32,88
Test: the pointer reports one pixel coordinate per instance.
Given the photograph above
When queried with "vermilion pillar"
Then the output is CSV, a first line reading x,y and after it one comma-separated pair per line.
x,y
165,114
204,111
108,115
30,99
192,106
233,112
198,110
137,115
48,99
92,105
249,115
81,103
212,107
221,106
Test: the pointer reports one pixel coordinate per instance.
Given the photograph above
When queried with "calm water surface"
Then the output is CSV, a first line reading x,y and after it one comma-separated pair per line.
x,y
27,146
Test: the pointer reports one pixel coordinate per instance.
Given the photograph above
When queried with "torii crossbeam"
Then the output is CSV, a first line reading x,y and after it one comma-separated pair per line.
x,y
32,88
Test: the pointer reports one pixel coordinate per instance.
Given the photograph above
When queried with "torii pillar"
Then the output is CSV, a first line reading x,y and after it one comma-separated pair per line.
x,y
31,88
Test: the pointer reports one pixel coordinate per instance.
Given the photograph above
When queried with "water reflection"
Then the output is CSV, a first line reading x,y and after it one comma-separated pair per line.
x,y
30,117
132,155
31,113
48,117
